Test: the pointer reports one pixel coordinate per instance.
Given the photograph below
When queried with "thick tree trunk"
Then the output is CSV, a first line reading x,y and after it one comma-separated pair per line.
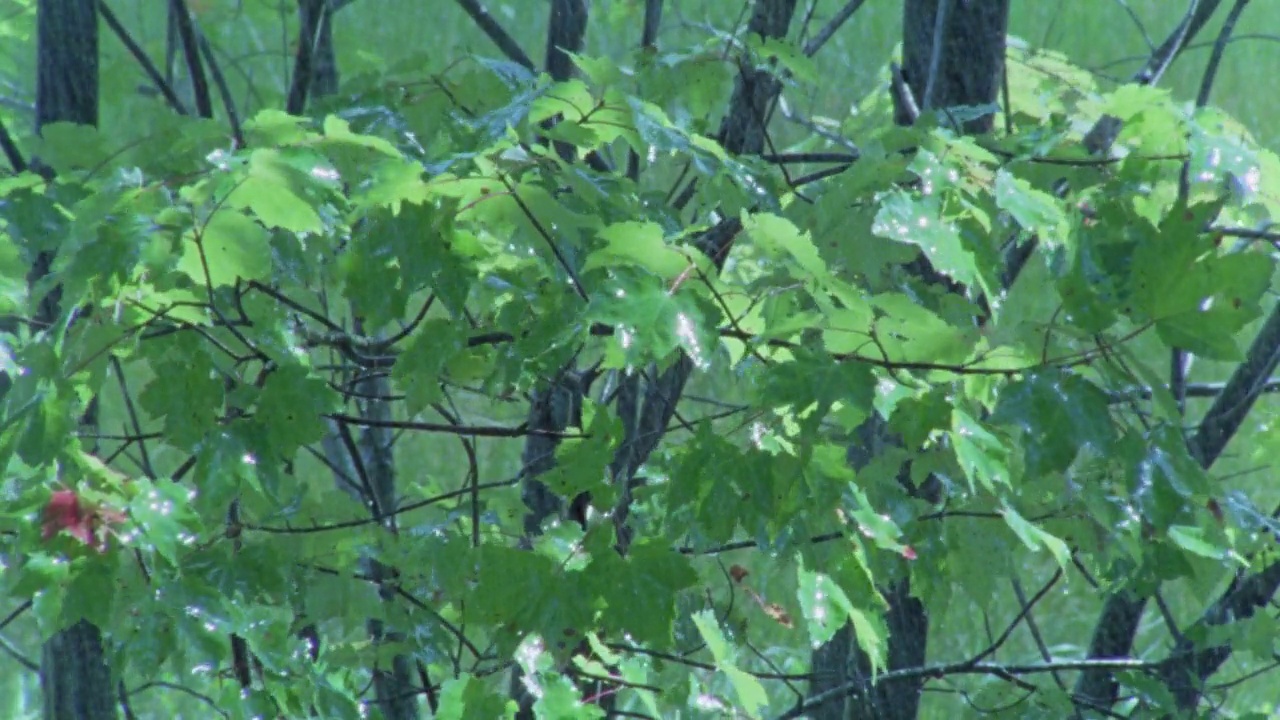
x,y
74,677
67,62
953,56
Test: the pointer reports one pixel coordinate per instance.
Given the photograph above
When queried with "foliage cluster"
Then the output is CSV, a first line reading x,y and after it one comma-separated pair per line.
x,y
226,308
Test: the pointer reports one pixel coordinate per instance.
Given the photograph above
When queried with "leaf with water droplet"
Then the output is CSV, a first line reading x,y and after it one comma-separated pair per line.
x,y
1195,541
751,694
1034,537
652,321
904,331
1198,297
163,513
1058,413
827,608
982,456
1035,211
919,221
640,244
1223,157
778,236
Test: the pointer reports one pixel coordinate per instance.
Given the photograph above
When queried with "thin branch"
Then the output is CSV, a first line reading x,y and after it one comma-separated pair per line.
x,y
1142,29
15,614
17,656
496,33
1006,672
999,642
224,90
132,412
1193,390
842,16
190,49
546,236
1034,629
161,684
148,67
473,430
453,629
1247,233
1219,47
11,151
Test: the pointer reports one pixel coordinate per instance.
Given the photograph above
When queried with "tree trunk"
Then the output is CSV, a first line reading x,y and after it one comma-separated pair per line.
x,y
393,686
67,62
74,677
953,55
316,20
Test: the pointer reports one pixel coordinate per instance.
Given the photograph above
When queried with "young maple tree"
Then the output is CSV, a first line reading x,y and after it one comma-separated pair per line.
x,y
661,378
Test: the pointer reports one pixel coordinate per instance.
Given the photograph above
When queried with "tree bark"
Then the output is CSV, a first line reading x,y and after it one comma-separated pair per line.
x,y
74,677
953,56
393,686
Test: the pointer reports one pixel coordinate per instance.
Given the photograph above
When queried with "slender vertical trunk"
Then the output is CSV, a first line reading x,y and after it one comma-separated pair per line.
x,y
393,684
953,55
316,21
74,676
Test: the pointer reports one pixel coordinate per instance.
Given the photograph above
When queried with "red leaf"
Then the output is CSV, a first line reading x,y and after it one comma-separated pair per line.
x,y
64,512
908,552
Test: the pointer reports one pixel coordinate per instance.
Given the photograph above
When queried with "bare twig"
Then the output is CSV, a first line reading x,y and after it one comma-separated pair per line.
x,y
148,67
1142,29
1219,47
11,151
190,49
842,16
224,91
496,33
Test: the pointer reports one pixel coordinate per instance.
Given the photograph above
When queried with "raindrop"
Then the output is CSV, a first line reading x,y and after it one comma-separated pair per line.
x,y
685,329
